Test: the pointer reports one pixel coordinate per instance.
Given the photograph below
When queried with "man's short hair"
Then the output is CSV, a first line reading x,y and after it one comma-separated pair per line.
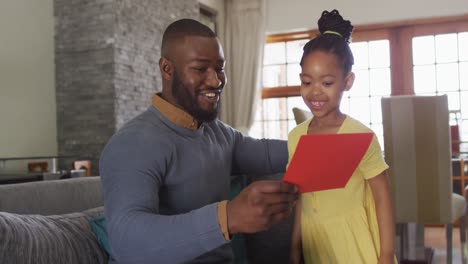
x,y
181,28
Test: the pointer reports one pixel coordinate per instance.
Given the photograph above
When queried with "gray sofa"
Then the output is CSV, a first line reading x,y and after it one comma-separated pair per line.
x,y
48,222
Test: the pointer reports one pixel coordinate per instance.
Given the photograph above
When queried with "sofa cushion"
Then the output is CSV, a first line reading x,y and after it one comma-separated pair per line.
x,y
50,239
55,197
99,228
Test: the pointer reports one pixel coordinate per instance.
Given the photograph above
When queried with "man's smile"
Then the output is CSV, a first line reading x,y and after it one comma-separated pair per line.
x,y
212,96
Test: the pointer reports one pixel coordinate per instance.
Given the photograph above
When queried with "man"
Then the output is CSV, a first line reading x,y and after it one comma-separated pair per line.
x,y
166,173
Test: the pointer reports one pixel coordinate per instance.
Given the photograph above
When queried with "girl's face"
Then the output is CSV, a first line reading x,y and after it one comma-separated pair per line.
x,y
323,83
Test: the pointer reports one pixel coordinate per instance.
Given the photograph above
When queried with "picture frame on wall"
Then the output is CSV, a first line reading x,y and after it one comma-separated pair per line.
x,y
208,17
38,167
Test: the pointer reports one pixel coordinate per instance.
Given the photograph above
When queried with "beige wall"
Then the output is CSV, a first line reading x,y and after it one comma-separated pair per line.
x,y
294,15
27,89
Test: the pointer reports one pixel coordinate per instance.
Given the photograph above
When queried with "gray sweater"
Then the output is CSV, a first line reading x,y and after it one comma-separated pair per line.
x,y
162,184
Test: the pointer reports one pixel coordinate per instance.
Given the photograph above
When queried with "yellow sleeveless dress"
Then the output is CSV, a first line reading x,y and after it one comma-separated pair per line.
x,y
340,225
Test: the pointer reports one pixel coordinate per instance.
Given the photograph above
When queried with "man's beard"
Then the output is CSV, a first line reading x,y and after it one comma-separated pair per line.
x,y
189,103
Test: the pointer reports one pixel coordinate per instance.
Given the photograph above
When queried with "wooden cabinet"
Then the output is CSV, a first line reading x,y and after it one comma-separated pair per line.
x,y
459,174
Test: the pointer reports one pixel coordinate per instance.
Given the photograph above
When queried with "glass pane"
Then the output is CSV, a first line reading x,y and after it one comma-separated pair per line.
x,y
378,130
446,48
423,50
256,129
447,77
274,75
291,125
463,46
453,100
258,110
359,109
293,74
464,106
463,76
376,109
344,105
284,129
361,83
380,81
274,109
271,129
295,101
379,54
294,50
274,53
464,136
361,55
276,129
424,79
454,116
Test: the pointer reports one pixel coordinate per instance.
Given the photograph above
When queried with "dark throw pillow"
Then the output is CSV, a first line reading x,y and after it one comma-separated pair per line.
x,y
52,239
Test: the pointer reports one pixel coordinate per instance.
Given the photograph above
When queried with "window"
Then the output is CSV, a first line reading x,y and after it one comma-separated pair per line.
x,y
372,70
281,63
440,66
274,117
416,57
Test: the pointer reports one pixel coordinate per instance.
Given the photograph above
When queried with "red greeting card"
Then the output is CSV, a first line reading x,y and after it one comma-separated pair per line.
x,y
323,162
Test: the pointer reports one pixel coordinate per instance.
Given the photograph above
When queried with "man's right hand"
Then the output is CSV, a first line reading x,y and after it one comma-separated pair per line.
x,y
260,205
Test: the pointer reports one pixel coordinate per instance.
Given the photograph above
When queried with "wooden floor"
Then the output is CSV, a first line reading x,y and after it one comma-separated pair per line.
x,y
434,237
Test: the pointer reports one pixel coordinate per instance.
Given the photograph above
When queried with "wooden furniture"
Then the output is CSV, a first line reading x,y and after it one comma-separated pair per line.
x,y
83,164
39,167
53,167
460,174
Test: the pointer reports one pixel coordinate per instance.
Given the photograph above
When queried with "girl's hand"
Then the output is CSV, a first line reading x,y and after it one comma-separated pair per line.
x,y
295,260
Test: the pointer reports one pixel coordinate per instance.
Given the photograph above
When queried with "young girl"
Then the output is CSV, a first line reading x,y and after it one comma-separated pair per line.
x,y
353,225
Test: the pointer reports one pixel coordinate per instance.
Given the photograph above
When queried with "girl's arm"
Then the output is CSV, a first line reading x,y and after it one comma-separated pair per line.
x,y
383,206
296,244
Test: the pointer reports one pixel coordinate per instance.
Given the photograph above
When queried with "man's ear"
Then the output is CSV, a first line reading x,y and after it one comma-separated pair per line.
x,y
166,68
349,81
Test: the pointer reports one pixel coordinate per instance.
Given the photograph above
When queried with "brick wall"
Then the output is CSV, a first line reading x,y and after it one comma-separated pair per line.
x,y
106,57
